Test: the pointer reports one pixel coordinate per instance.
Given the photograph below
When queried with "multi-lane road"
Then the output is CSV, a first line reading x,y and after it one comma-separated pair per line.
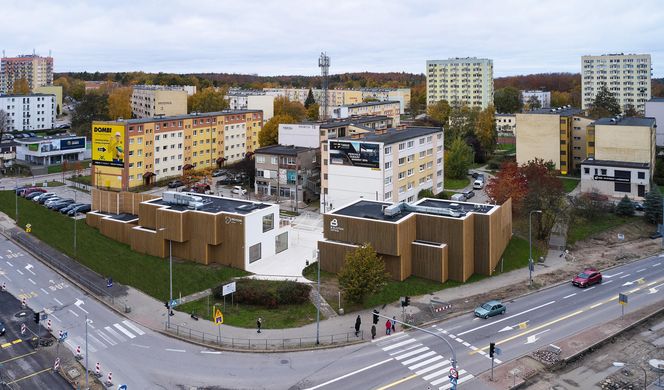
x,y
145,359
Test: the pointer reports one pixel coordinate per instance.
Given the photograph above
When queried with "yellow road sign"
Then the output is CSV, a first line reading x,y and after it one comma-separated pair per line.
x,y
28,228
218,317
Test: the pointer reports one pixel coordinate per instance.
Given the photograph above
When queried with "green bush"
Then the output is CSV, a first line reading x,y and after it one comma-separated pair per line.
x,y
290,293
625,207
268,293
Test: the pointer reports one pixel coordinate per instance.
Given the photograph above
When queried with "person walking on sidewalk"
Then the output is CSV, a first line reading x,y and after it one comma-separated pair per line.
x,y
259,322
394,324
373,332
388,327
358,322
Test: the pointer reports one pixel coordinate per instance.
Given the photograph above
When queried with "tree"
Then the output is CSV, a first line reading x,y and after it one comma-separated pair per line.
x,y
461,123
418,99
295,110
508,183
92,107
604,105
440,112
652,206
559,98
458,159
310,99
533,103
313,112
119,103
625,207
269,134
425,193
630,110
545,193
485,130
21,87
507,100
207,100
363,273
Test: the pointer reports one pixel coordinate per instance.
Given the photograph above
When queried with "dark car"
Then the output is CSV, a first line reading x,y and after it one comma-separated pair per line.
x,y
218,173
66,209
82,209
45,197
588,277
60,204
33,195
2,328
469,194
490,309
175,183
638,206
230,180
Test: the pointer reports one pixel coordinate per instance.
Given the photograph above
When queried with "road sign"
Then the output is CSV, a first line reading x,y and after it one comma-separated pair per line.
x,y
174,303
228,288
28,228
454,373
218,317
621,236
453,381
63,335
498,351
622,298
122,387
23,328
109,283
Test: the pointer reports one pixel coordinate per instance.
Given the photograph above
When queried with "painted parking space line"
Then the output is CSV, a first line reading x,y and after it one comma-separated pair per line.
x,y
57,301
73,312
32,281
17,357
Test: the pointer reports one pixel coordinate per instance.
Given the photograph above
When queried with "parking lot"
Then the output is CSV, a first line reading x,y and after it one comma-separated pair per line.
x,y
21,365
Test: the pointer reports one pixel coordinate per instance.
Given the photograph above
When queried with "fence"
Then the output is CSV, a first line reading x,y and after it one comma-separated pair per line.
x,y
261,344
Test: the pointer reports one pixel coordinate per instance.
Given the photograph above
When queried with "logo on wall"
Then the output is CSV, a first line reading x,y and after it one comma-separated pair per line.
x,y
230,220
334,226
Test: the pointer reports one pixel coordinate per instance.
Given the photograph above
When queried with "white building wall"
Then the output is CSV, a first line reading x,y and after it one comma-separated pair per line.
x,y
465,80
655,109
544,97
235,138
264,103
253,233
170,156
606,187
307,136
346,184
29,112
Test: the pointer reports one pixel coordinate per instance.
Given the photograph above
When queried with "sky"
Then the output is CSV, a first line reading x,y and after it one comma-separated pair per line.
x,y
285,37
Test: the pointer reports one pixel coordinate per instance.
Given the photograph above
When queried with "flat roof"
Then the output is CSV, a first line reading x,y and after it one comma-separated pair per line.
x,y
47,138
374,210
656,100
216,204
284,150
27,94
178,117
613,163
368,104
391,136
118,217
353,120
562,111
626,121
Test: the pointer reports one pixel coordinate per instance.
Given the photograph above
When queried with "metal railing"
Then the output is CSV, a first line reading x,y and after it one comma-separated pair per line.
x,y
262,344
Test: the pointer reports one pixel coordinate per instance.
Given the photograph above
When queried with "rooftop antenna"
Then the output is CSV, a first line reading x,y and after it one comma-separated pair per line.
x,y
324,65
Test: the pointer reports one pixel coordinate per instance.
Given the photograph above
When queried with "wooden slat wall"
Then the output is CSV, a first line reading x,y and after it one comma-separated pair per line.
x,y
430,262
501,232
151,243
483,243
332,255
173,222
457,234
93,220
147,215
393,266
117,230
407,233
381,235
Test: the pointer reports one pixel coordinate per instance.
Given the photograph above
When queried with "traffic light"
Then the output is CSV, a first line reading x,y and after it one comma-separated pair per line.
x,y
375,316
492,349
405,302
36,317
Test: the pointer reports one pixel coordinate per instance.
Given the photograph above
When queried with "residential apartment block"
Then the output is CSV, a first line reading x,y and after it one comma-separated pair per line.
x,y
621,156
29,112
37,70
505,124
341,97
627,76
388,108
556,134
655,109
148,101
313,134
391,165
251,100
155,148
543,97
287,172
460,80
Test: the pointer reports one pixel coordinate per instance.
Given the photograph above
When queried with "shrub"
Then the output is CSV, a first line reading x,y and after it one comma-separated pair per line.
x,y
292,293
268,293
625,207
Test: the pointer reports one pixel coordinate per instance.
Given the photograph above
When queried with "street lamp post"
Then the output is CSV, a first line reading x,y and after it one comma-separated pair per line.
x,y
170,279
75,214
645,373
16,193
318,300
530,243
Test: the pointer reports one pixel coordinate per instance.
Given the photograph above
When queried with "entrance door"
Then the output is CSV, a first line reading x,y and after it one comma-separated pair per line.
x,y
641,190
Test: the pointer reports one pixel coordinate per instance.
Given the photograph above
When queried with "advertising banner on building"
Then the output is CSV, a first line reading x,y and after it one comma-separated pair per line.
x,y
108,144
355,153
72,143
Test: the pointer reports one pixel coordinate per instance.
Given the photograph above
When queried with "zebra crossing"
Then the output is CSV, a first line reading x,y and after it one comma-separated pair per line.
x,y
107,337
420,359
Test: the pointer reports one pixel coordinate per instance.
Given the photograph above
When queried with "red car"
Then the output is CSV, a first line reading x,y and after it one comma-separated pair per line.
x,y
588,277
31,190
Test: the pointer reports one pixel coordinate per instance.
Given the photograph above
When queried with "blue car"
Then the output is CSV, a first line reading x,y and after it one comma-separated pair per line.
x,y
490,309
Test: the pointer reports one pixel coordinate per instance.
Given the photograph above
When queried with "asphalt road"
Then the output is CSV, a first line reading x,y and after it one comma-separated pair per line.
x,y
21,365
146,359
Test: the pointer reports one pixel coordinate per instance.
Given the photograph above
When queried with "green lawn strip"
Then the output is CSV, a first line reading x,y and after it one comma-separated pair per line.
x,y
582,228
82,179
244,316
54,168
50,184
516,254
506,148
111,258
456,184
569,184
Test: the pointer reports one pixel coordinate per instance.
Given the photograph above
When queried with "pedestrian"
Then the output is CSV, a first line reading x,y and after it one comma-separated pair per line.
x,y
358,322
259,322
373,332
388,327
394,324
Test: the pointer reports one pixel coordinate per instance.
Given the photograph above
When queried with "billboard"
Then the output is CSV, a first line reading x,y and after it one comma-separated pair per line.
x,y
355,153
55,145
72,143
108,146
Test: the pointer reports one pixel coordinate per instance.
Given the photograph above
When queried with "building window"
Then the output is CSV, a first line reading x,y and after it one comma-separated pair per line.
x,y
281,242
641,175
622,187
388,165
255,252
411,144
388,149
388,195
268,222
586,171
402,161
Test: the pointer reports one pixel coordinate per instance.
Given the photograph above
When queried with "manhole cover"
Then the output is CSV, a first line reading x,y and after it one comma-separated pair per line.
x,y
284,361
22,313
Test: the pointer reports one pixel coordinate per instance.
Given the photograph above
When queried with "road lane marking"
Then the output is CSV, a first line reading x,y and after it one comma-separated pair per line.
x,y
624,276
115,334
97,340
28,268
506,318
133,327
56,300
424,363
596,305
640,270
397,345
123,330
461,380
73,312
656,264
32,281
18,357
610,276
400,381
350,374
534,329
411,353
389,340
406,349
19,271
605,283
569,296
9,264
444,371
29,376
54,316
44,291
433,367
140,346
443,379
106,338
175,350
212,352
417,358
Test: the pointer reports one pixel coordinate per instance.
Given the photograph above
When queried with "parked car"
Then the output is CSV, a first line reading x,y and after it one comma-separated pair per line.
x,y
230,180
2,328
20,190
32,190
478,184
82,209
33,195
469,194
70,206
238,190
44,197
57,206
638,206
218,172
656,235
175,183
587,278
51,200
458,197
490,309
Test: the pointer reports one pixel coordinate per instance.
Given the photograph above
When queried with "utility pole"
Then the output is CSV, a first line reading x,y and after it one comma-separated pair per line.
x,y
86,352
318,301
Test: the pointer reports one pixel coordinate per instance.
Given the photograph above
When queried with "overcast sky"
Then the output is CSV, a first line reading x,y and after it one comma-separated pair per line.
x,y
286,36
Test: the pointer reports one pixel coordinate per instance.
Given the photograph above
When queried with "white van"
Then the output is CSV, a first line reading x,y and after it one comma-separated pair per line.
x,y
458,197
478,184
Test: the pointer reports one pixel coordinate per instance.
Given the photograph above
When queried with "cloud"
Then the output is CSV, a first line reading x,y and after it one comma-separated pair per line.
x,y
285,37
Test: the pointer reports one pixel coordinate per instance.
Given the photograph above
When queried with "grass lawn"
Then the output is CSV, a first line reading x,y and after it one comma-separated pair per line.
x,y
50,184
456,184
582,228
111,258
82,179
244,316
569,184
54,168
507,148
516,254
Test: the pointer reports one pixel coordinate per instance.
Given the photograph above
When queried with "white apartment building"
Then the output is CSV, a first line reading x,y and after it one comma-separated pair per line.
x,y
340,97
655,109
251,100
505,124
391,165
388,108
29,112
37,70
460,80
543,97
235,138
168,153
627,76
148,101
